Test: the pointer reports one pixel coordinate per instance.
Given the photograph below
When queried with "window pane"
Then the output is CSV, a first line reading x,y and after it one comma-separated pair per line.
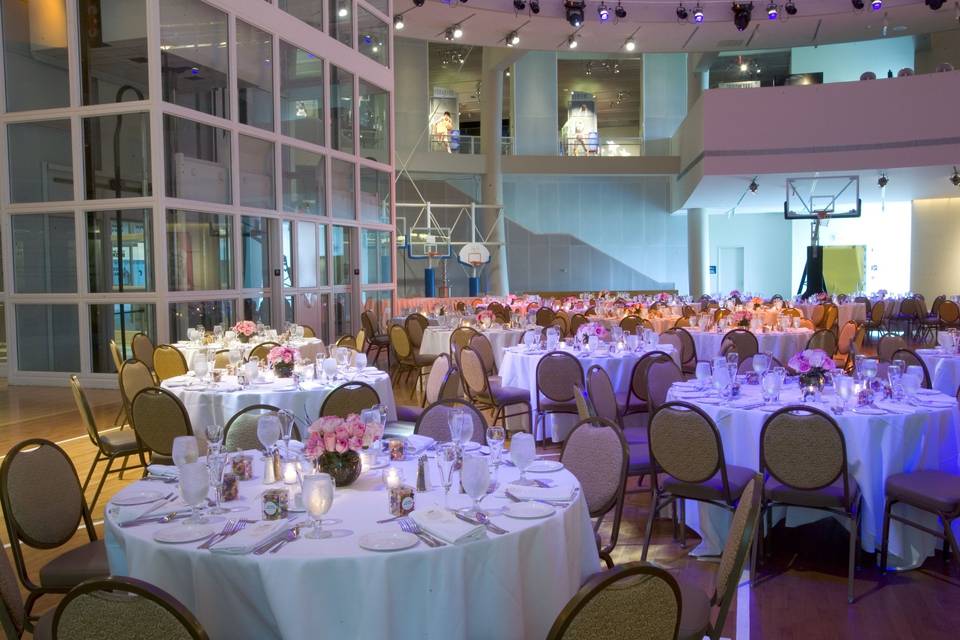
x,y
257,309
301,94
41,166
3,334
255,236
341,176
198,160
341,315
257,173
306,254
303,181
382,5
117,322
186,315
374,123
113,50
35,54
374,195
120,251
198,251
112,172
341,22
310,11
374,37
375,257
322,255
194,56
288,310
255,76
48,337
342,268
379,302
44,253
341,109
287,253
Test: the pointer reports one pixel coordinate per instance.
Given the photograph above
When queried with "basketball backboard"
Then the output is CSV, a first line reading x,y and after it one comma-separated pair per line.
x,y
822,197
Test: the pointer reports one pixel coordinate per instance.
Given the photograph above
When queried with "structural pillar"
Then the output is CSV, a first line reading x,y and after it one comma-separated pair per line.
x,y
698,251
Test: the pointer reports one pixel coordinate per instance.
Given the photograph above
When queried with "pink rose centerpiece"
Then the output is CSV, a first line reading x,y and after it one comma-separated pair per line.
x,y
741,318
812,365
485,318
334,444
282,359
245,329
588,329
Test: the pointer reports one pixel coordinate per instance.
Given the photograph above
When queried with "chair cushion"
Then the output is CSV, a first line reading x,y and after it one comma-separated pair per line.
x,y
830,496
120,441
73,567
43,628
639,459
509,395
695,612
930,490
406,413
712,489
557,407
636,406
425,360
156,458
379,341
635,435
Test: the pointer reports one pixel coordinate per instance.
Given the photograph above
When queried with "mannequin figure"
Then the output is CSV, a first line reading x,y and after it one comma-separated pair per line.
x,y
442,129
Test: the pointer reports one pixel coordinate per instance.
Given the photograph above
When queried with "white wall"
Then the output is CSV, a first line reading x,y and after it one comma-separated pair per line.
x,y
934,260
845,62
766,242
534,91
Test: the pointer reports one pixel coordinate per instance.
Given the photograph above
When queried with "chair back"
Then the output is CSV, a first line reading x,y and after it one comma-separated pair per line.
x,y
129,608
746,366
460,338
348,398
740,537
115,354
481,344
400,342
585,408
634,600
910,358
545,316
720,314
661,373
877,313
143,348
845,341
807,324
830,316
134,376
791,312
685,443
596,452
682,321
687,311
436,378
158,417
629,324
825,340
888,345
416,324
803,447
935,307
577,321
557,373
314,350
262,350
12,612
168,362
818,316
308,331
240,432
435,421
360,342
452,388
221,359
688,348
602,395
86,413
368,321
347,341
475,381
742,341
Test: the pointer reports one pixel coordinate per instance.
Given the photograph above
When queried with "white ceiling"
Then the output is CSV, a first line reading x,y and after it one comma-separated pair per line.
x,y
654,22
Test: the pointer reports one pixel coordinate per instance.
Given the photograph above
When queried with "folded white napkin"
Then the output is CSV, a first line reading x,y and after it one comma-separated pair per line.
x,y
371,370
164,471
525,492
442,524
419,443
123,515
251,537
896,408
179,381
226,387
870,411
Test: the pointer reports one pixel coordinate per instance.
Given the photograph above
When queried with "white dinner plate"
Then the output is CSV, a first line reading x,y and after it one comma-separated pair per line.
x,y
528,510
133,497
387,541
544,466
471,446
260,382
928,392
179,533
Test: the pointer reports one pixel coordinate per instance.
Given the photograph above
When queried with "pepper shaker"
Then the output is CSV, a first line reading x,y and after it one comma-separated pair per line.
x,y
423,480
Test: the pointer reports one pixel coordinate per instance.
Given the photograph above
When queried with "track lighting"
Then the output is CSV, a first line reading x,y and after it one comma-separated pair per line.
x,y
790,8
419,3
572,42
603,12
772,12
857,4
620,12
883,181
741,15
955,178
519,5
535,6
876,5
682,12
513,39
934,4
630,44
753,186
398,22
574,10
457,31
698,14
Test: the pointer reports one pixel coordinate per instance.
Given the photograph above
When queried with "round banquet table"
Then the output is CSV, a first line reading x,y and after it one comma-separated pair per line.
x,y
519,369
781,344
190,349
846,312
896,438
661,324
437,340
944,369
216,403
499,586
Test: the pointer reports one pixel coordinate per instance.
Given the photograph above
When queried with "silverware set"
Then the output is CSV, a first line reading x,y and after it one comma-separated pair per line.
x,y
552,503
230,528
279,540
410,526
482,519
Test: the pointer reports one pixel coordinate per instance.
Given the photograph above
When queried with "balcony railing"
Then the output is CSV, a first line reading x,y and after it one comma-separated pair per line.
x,y
466,144
596,146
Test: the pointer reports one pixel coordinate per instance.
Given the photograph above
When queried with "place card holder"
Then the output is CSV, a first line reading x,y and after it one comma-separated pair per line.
x,y
401,500
275,504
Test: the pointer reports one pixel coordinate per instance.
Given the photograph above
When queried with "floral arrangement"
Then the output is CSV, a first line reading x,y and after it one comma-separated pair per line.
x,y
741,318
282,359
823,296
756,302
245,329
486,317
813,366
735,294
334,444
592,329
663,297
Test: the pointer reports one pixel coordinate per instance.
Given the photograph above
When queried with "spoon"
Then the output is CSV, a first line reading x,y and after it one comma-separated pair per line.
x,y
292,535
484,519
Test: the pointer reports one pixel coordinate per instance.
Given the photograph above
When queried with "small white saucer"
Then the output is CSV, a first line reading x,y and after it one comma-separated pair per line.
x,y
528,510
134,497
544,466
388,541
183,533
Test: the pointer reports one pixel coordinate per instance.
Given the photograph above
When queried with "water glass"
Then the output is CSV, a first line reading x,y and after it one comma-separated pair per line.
x,y
845,390
330,368
911,384
761,362
523,451
495,439
916,370
733,358
466,428
899,365
218,332
214,435
215,465
194,485
317,495
770,387
455,424
475,477
268,430
703,373
200,365
446,461
869,366
234,356
185,450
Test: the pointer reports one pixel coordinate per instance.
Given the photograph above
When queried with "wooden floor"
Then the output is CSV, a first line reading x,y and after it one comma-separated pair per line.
x,y
801,594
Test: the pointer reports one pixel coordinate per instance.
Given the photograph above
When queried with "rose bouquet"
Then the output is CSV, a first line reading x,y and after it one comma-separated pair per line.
x,y
485,318
813,365
335,443
741,318
245,329
735,294
591,329
663,297
282,359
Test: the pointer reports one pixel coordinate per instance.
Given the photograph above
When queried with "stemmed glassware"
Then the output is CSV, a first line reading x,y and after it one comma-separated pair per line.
x,y
286,430
214,434
761,362
523,451
215,465
234,356
455,424
318,492
495,439
330,368
218,332
200,365
475,476
185,450
194,485
268,430
703,375
770,386
446,461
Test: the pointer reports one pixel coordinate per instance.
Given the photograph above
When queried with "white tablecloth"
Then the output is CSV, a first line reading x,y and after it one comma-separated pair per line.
x,y
519,369
855,311
877,447
211,406
189,349
501,586
781,344
437,340
944,369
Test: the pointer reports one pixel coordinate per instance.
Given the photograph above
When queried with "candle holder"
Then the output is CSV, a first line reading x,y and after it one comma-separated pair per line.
x,y
401,500
242,466
396,448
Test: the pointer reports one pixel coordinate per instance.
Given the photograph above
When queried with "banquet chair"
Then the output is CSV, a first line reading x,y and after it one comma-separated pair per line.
x,y
596,453
435,420
123,607
888,345
929,321
818,316
910,358
830,317
629,324
13,615
687,311
262,350
603,397
134,376
906,316
682,321
221,359
876,320
846,343
375,339
408,360
661,374
313,351
493,397
240,432
545,316
807,324
557,373
935,492
158,417
638,385
686,449
746,366
742,341
460,306
308,331
825,340
578,320
699,605
481,344
636,600
460,338
803,458
949,313
43,507
115,354
350,397
688,350
142,348
585,408
416,324
791,312
438,385
350,342
111,445
720,314
168,362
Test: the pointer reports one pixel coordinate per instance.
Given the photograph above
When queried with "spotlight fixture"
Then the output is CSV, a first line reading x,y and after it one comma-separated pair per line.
x,y
753,185
519,5
574,10
790,8
342,12
603,12
934,4
630,44
876,5
513,39
535,6
955,178
398,22
620,12
448,35
772,12
741,15
698,14
457,31
682,12
419,3
883,181
857,4
572,42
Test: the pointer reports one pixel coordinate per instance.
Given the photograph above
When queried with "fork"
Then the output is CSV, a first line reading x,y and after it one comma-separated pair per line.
x,y
223,535
412,527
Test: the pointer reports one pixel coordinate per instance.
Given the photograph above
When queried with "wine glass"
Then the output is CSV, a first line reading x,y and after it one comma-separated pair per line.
x,y
703,375
911,384
495,438
845,390
330,368
201,332
194,485
214,434
218,332
523,451
455,424
446,461
268,430
761,362
317,494
234,356
215,465
733,358
466,428
770,386
475,476
200,365
869,368
185,450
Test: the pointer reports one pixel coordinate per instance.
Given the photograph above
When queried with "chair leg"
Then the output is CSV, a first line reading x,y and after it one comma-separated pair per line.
x,y
769,509
885,539
851,561
682,503
96,461
951,540
650,518
758,535
103,479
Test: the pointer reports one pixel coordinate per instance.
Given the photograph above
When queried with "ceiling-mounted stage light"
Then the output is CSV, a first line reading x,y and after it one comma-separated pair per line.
x,y
790,8
535,6
574,10
572,42
857,4
448,34
630,44
603,12
934,4
753,186
772,12
741,14
955,178
876,5
513,39
398,22
457,31
620,12
682,12
883,181
519,5
419,3
698,14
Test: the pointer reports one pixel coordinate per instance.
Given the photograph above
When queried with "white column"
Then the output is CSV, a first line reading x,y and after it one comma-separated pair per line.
x,y
698,251
491,121
534,92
